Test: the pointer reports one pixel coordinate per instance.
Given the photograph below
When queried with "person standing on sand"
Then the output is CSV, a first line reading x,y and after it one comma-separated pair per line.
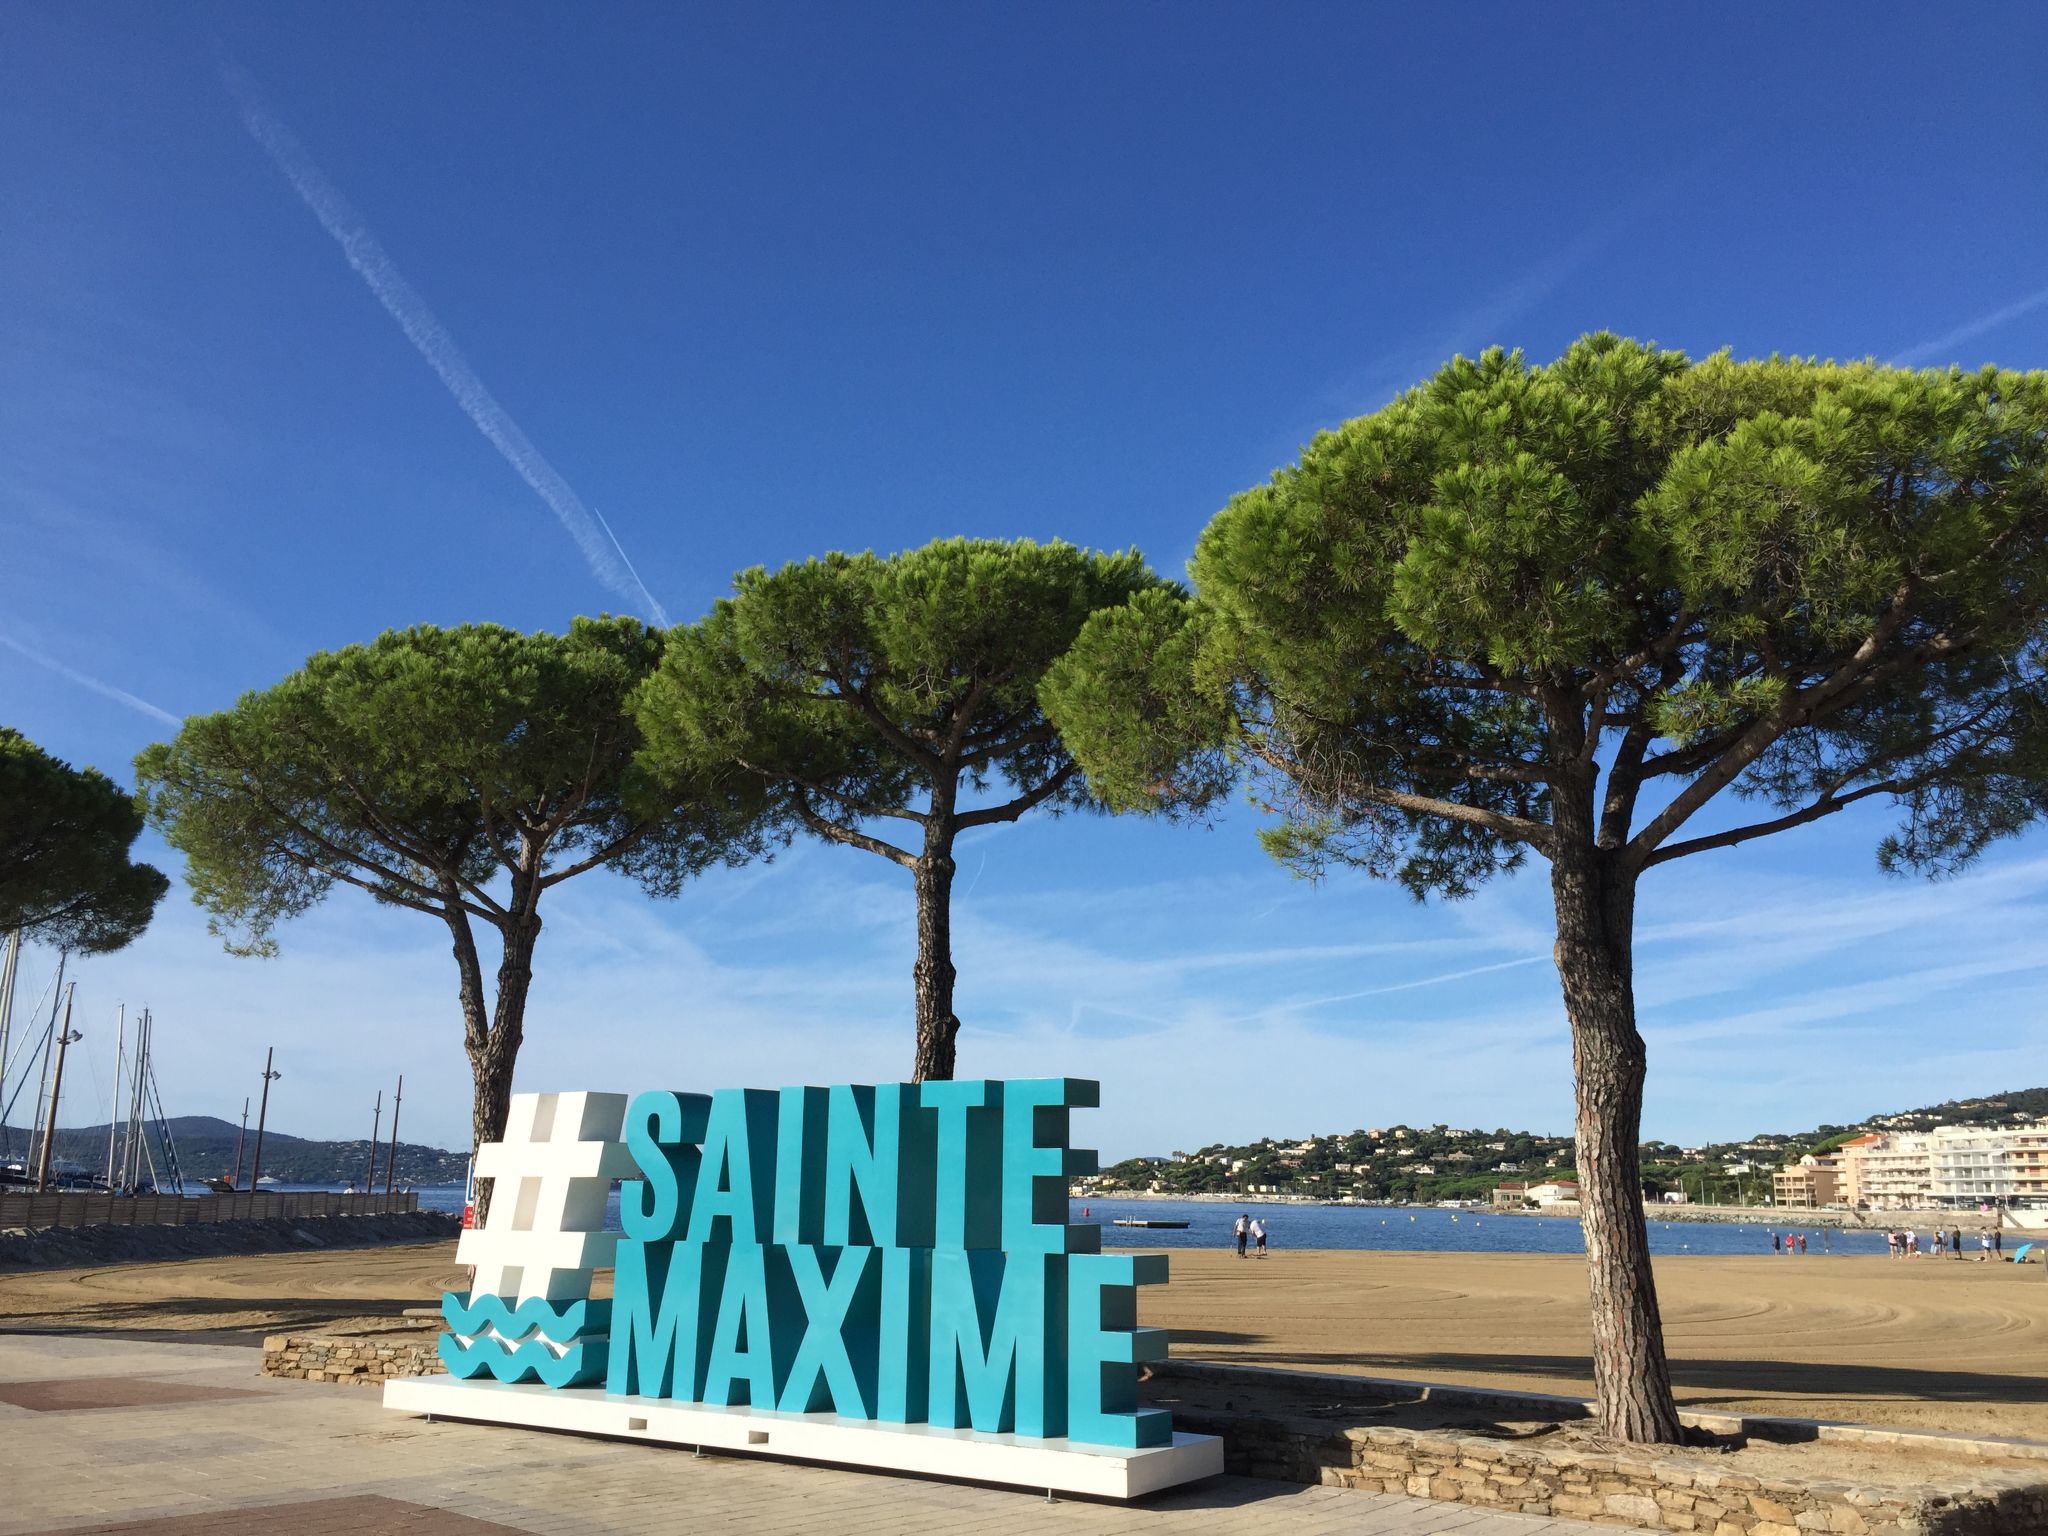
x,y
1939,1239
1775,1244
1259,1235
1955,1242
1241,1231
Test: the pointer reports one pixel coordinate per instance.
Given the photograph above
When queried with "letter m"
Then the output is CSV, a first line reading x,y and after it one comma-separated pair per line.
x,y
998,1322
657,1325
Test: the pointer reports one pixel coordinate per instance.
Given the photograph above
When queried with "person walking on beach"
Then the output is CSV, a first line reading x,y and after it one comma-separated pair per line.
x,y
1892,1245
1259,1236
1912,1244
1241,1231
1802,1245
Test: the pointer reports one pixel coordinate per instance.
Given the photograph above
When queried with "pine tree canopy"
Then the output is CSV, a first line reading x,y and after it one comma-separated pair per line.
x,y
1809,583
66,876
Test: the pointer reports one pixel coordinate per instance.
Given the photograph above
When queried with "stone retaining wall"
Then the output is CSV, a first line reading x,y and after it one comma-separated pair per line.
x,y
68,1247
356,1359
1634,1488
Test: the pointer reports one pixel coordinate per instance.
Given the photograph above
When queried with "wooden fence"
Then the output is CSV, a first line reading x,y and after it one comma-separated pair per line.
x,y
86,1210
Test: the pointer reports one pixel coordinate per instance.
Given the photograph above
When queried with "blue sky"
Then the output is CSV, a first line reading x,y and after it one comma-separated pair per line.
x,y
756,282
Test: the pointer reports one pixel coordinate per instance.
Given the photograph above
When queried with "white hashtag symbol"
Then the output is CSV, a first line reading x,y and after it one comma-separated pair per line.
x,y
552,1174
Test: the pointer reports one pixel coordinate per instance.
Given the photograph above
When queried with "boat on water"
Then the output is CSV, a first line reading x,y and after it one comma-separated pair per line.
x,y
1142,1221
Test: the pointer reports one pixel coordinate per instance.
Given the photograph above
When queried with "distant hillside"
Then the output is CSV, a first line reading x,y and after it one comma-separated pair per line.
x,y
1440,1162
206,1149
1996,1108
2016,1105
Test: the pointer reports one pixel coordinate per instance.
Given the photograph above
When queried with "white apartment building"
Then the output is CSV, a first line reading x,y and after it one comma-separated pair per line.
x,y
1960,1167
1893,1172
1969,1166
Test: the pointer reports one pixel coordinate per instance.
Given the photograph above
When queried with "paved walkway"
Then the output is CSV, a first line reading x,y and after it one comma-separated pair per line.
x,y
186,1440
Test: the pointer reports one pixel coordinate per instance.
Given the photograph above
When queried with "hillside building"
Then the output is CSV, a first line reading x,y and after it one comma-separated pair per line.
x,y
1812,1182
1958,1167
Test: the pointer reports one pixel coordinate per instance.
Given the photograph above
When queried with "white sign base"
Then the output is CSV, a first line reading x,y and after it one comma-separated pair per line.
x,y
1058,1466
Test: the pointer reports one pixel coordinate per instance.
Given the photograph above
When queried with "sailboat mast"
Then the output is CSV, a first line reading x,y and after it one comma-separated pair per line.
x,y
114,1099
64,1038
49,1047
9,964
376,1121
131,1148
391,1162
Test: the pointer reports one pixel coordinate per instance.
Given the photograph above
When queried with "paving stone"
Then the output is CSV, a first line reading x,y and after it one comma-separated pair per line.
x,y
67,1394
363,1515
308,1459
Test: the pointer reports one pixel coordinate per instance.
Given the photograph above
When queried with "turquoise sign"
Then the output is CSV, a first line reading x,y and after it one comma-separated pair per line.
x,y
898,1253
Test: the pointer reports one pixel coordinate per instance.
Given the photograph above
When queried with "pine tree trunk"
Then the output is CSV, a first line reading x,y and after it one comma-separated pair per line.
x,y
492,1042
937,1026
1595,902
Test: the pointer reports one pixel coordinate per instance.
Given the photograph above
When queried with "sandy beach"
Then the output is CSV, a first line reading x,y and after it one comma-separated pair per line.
x,y
1957,1345
1920,1342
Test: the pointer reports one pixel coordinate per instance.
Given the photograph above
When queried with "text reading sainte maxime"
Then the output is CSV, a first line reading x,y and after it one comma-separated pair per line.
x,y
898,1252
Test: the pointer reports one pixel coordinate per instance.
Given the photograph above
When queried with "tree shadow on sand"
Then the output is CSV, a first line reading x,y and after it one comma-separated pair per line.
x,y
1730,1378
159,1316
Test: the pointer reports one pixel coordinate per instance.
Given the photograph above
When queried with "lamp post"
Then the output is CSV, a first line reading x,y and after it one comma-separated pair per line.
x,y
262,1113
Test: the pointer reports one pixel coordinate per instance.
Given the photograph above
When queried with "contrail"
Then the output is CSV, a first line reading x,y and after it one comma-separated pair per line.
x,y
1971,330
403,303
1410,986
105,690
1482,325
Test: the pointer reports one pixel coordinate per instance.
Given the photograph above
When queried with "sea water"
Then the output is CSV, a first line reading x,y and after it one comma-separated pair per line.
x,y
1430,1229
1389,1229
